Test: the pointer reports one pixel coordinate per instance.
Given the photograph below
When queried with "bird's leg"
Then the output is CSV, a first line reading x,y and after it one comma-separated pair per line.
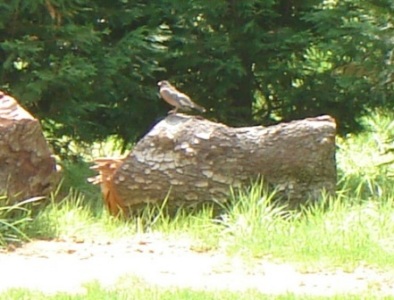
x,y
173,111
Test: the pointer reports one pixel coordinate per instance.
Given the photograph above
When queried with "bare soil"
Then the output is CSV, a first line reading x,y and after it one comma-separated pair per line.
x,y
65,265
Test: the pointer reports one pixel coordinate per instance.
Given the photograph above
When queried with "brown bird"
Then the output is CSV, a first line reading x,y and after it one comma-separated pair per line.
x,y
177,99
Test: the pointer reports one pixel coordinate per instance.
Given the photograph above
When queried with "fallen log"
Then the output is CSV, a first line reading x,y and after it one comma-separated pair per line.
x,y
188,160
28,168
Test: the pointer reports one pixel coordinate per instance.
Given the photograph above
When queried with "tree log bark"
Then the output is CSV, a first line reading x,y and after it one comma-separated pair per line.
x,y
28,168
192,160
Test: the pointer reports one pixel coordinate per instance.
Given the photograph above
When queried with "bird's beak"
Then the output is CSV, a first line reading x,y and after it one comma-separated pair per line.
x,y
159,83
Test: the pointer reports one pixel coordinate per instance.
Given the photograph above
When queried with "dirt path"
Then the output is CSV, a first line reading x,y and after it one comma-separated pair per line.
x,y
65,265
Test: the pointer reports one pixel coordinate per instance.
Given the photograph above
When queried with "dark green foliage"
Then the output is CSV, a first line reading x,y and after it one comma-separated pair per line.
x,y
86,68
89,69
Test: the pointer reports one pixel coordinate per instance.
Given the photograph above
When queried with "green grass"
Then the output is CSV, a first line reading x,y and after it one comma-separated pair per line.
x,y
333,233
95,291
76,217
336,232
15,220
130,288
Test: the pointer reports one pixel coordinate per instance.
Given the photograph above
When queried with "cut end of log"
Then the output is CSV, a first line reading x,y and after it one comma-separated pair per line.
x,y
106,168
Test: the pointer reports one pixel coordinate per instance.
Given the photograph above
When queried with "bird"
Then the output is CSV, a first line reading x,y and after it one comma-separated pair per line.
x,y
176,98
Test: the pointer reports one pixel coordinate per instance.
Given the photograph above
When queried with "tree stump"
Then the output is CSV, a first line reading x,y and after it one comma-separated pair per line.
x,y
28,168
190,160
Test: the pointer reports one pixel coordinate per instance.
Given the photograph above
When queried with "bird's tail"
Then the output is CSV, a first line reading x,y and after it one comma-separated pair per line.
x,y
199,107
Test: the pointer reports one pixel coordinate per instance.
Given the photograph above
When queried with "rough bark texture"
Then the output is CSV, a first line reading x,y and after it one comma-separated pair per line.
x,y
27,166
192,160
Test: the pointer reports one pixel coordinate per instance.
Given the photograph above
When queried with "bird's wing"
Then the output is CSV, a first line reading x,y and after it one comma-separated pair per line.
x,y
170,96
184,100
